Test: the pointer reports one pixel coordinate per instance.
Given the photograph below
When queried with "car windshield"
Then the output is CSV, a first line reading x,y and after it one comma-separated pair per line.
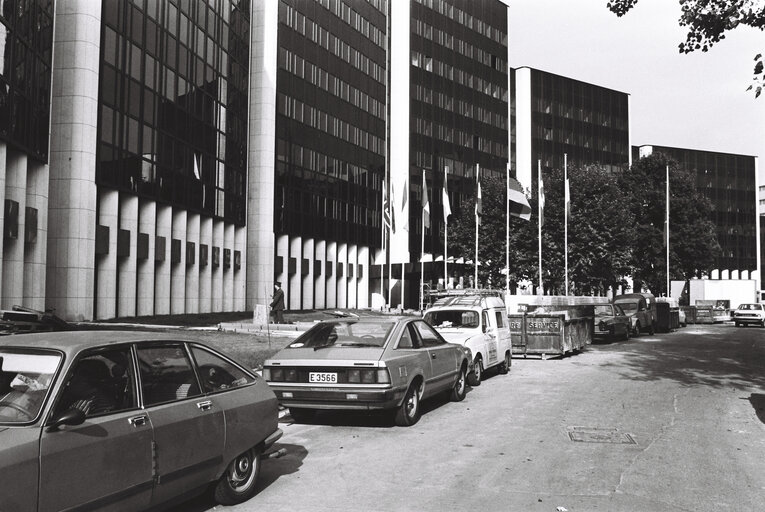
x,y
629,307
452,318
344,334
24,382
603,311
750,307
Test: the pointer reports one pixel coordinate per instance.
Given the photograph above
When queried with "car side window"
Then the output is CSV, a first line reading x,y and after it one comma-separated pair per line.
x,y
166,374
409,339
100,383
500,319
429,337
216,373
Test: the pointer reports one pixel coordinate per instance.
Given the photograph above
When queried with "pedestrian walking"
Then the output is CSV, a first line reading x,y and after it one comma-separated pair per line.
x,y
277,303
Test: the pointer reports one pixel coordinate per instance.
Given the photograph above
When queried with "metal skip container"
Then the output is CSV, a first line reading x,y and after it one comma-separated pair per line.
x,y
549,334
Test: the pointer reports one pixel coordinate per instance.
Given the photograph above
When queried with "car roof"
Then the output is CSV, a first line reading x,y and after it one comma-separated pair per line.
x,y
72,342
369,319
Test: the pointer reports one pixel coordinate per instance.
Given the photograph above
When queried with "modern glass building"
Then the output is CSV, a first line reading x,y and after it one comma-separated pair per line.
x,y
731,184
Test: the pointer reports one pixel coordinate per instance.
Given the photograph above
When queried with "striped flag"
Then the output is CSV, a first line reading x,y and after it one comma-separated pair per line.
x,y
425,204
447,206
541,200
478,205
385,206
519,204
568,198
404,210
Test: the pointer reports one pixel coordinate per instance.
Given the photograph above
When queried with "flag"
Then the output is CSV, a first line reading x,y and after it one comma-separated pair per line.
x,y
541,200
478,205
385,206
425,204
404,211
568,198
447,207
392,210
519,204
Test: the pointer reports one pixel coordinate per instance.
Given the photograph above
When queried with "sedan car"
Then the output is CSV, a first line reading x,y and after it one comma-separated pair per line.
x,y
364,364
749,314
611,323
126,421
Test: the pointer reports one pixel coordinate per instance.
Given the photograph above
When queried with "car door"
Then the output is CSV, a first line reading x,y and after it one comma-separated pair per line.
x,y
106,462
408,359
189,430
442,356
503,334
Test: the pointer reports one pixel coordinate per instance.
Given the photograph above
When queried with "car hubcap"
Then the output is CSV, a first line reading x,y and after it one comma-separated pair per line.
x,y
242,471
461,382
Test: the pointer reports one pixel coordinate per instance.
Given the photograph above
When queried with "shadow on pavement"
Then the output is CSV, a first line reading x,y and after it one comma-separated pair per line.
x,y
758,403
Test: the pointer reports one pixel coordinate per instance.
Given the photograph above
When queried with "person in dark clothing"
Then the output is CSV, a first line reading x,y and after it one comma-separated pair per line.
x,y
277,304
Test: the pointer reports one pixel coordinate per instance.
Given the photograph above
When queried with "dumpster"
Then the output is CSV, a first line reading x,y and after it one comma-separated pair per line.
x,y
704,315
549,334
690,314
667,317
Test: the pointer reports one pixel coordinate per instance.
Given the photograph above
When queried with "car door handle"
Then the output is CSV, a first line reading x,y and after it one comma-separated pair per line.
x,y
204,406
433,355
138,421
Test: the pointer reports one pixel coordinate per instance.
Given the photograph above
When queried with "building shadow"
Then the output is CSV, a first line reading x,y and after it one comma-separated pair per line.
x,y
758,403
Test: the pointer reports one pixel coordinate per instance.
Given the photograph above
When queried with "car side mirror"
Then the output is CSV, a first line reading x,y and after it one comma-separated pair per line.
x,y
69,417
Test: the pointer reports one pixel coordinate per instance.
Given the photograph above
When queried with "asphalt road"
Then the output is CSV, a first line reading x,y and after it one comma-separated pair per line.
x,y
671,422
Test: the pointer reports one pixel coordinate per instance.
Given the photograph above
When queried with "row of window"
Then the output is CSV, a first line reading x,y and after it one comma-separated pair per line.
x,y
463,18
330,42
446,102
344,12
614,117
584,140
327,123
459,76
334,85
448,40
447,134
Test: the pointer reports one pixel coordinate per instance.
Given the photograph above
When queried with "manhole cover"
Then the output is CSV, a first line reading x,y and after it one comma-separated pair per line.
x,y
599,435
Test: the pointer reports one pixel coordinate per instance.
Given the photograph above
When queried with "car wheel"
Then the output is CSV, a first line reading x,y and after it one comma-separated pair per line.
x,y
651,329
408,412
237,484
460,387
636,332
627,334
504,366
474,379
302,415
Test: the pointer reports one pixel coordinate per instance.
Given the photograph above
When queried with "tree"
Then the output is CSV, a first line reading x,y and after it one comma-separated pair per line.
x,y
693,243
708,21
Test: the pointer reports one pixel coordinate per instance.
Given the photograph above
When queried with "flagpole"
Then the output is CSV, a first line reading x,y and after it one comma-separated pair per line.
x,y
384,252
507,231
422,251
667,230
446,231
539,222
565,214
390,244
478,184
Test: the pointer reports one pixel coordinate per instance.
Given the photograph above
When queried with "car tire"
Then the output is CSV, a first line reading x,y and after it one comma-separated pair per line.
x,y
626,334
460,387
636,331
651,329
474,379
504,367
238,482
300,415
409,412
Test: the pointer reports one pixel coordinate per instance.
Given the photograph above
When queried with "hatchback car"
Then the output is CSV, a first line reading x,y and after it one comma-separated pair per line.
x,y
126,421
369,363
611,323
749,314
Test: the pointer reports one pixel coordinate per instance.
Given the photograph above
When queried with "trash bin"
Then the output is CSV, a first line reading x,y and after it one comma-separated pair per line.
x,y
549,334
667,317
704,315
690,314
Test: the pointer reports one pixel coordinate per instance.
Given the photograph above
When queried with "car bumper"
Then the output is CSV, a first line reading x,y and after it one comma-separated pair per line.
x,y
339,398
747,319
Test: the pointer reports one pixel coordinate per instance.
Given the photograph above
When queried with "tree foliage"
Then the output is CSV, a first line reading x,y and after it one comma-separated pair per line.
x,y
708,21
692,240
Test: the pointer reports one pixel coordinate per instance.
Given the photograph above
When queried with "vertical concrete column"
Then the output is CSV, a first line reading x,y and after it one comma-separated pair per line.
x,y
342,278
217,266
178,263
72,201
228,268
363,280
293,274
106,264
146,267
264,23
161,260
240,274
320,274
192,264
353,278
36,248
332,275
307,279
13,249
3,156
127,264
283,252
205,269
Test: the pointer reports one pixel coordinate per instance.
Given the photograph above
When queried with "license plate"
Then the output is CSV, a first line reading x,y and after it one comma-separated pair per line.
x,y
322,377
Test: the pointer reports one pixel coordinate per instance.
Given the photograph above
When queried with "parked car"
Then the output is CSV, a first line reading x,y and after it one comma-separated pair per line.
x,y
749,314
478,322
611,323
126,421
641,310
368,363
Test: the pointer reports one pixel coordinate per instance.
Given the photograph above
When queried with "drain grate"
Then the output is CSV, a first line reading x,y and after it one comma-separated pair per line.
x,y
599,435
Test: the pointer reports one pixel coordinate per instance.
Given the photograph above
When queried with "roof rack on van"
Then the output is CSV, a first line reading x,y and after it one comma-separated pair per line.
x,y
463,297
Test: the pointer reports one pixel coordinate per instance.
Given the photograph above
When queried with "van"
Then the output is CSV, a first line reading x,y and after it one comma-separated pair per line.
x,y
641,309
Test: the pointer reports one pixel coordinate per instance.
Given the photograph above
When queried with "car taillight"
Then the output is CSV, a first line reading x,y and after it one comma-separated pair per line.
x,y
368,376
267,373
354,376
277,374
383,377
292,375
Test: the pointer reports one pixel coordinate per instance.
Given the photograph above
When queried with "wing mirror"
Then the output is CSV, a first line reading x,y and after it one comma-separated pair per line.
x,y
69,417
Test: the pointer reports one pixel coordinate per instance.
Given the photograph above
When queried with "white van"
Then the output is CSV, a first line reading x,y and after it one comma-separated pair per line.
x,y
478,322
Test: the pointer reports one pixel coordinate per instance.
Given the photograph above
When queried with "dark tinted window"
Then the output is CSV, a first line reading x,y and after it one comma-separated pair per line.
x,y
428,336
166,374
216,373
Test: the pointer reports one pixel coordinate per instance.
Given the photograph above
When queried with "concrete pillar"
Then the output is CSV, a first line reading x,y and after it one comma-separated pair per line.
x,y
320,275
282,251
353,275
205,268
332,275
74,137
228,268
3,157
147,230
106,264
162,265
178,263
240,268
342,277
36,247
126,265
13,249
307,280
216,259
363,277
293,273
192,262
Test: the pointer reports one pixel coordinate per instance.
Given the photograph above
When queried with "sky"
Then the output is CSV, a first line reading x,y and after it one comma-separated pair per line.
x,y
696,100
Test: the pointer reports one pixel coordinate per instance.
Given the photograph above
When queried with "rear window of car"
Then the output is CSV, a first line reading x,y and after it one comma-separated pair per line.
x,y
344,334
453,318
750,307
